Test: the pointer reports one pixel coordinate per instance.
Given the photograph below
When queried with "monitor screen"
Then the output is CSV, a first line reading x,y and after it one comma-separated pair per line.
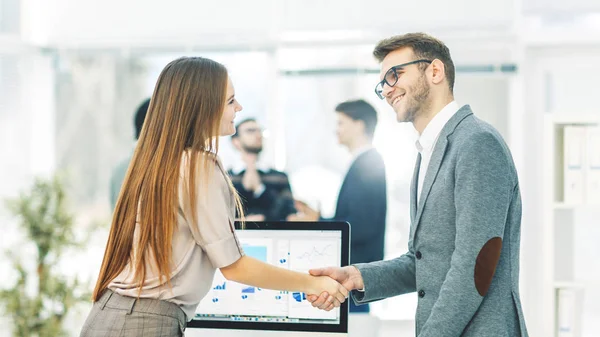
x,y
297,246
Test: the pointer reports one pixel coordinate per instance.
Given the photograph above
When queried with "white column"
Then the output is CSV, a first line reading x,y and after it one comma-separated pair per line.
x,y
275,116
38,102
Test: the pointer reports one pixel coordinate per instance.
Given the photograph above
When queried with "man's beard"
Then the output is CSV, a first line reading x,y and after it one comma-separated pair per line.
x,y
252,149
418,101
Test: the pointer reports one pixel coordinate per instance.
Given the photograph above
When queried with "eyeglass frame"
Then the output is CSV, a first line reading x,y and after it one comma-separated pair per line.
x,y
395,70
253,130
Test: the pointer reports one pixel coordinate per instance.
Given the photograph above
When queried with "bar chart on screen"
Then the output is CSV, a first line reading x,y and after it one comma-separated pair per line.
x,y
227,297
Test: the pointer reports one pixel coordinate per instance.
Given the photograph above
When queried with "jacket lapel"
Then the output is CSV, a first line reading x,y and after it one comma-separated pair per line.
x,y
432,170
347,180
435,163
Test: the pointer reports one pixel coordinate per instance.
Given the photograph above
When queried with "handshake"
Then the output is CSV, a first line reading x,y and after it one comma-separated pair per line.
x,y
333,285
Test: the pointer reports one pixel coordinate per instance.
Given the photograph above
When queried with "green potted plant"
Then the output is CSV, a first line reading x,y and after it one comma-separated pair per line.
x,y
41,297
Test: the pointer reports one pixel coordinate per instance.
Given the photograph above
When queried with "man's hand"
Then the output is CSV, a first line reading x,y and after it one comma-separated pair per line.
x,y
305,212
326,285
255,217
251,179
348,276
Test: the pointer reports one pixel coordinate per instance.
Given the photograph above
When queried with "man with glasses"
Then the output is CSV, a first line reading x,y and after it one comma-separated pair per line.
x,y
265,192
463,249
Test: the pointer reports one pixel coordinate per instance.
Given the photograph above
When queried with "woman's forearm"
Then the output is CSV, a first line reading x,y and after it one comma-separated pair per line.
x,y
250,271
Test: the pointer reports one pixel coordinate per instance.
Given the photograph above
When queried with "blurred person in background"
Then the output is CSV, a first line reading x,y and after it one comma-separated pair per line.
x,y
173,222
119,172
265,192
362,199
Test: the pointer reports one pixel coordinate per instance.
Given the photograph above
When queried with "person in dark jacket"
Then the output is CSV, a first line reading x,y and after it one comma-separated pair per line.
x,y
265,192
362,200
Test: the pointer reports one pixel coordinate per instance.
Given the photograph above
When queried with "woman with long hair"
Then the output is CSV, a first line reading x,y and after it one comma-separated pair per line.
x,y
173,222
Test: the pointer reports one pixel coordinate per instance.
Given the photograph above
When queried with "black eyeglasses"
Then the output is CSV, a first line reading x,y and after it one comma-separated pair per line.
x,y
252,130
391,76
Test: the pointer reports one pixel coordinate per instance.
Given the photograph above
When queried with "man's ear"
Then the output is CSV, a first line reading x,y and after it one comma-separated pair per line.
x,y
438,71
362,127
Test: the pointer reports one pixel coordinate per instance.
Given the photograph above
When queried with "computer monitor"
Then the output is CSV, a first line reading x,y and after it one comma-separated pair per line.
x,y
297,246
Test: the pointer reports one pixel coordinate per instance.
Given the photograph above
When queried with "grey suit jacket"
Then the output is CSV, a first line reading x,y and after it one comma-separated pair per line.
x,y
463,249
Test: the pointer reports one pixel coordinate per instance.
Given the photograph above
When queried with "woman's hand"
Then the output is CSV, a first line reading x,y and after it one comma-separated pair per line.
x,y
337,292
348,276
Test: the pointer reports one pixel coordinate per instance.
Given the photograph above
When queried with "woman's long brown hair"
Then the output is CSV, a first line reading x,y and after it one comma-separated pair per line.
x,y
184,116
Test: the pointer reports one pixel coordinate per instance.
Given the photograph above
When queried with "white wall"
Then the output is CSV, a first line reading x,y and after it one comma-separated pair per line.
x,y
242,23
558,80
26,119
559,6
26,142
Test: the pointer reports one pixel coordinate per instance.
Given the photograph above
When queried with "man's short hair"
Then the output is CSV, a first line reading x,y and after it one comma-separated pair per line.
x,y
360,110
424,47
237,126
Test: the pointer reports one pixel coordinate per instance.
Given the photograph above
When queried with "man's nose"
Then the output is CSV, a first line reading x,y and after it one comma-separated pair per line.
x,y
387,90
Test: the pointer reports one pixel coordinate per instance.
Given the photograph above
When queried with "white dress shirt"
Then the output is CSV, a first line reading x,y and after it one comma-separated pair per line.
x,y
426,142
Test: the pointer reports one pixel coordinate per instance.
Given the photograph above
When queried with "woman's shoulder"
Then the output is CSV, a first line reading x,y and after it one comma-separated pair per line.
x,y
207,165
203,159
188,154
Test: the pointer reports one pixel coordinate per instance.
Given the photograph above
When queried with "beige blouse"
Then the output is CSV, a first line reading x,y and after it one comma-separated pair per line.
x,y
198,249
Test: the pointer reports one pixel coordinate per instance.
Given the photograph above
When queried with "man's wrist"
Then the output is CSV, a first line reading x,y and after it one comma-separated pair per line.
x,y
357,278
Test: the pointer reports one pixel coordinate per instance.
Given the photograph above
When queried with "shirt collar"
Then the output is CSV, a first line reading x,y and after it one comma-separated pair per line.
x,y
356,153
429,136
239,166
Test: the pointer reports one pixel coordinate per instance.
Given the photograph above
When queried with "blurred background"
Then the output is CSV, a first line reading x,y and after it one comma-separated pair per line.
x,y
72,74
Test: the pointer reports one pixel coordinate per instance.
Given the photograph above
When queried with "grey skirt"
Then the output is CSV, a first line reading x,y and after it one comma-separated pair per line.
x,y
124,316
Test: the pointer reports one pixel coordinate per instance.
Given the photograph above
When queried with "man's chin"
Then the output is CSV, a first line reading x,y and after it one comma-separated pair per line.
x,y
404,117
401,117
253,150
